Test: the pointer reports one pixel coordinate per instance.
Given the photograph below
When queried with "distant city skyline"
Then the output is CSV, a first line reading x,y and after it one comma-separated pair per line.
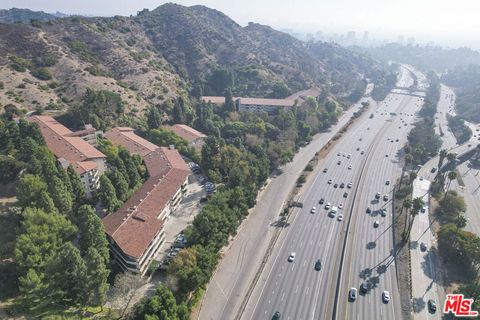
x,y
428,20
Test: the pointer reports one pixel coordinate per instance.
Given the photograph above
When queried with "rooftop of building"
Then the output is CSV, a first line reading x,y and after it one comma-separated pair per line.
x,y
188,133
60,141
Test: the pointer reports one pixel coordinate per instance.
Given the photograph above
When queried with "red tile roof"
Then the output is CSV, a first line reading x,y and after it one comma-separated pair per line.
x,y
127,138
136,223
186,132
73,149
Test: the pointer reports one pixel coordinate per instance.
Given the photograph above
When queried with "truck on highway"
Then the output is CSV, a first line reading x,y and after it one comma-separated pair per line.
x,y
333,211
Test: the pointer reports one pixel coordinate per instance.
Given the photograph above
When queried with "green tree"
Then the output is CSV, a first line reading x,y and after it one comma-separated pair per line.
x,y
29,190
33,288
179,112
96,277
92,232
162,305
78,189
41,234
132,169
452,175
60,195
107,195
119,183
442,155
451,206
66,273
154,119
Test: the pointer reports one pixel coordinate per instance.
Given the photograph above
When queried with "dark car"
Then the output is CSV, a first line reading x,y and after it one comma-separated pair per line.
x,y
423,246
321,201
339,162
432,306
276,316
369,210
364,287
325,170
345,195
433,170
342,185
335,185
387,182
318,265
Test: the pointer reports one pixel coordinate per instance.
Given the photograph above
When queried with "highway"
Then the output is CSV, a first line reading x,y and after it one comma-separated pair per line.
x,y
295,288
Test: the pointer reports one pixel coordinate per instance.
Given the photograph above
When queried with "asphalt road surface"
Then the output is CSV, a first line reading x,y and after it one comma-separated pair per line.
x,y
295,288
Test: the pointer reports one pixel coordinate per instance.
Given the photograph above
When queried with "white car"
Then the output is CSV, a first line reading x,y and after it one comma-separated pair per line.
x,y
349,185
314,209
327,206
340,217
385,296
350,167
291,258
340,206
330,181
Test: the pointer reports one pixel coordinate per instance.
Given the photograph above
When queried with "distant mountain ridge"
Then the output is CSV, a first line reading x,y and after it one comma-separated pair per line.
x,y
170,51
16,15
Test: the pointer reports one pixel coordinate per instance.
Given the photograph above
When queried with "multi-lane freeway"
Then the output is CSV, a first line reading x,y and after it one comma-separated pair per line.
x,y
352,250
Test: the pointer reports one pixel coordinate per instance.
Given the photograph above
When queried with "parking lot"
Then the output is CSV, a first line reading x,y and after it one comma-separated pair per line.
x,y
198,188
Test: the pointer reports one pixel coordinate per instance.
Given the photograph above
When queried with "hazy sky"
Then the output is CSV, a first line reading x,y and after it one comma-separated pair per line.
x,y
442,20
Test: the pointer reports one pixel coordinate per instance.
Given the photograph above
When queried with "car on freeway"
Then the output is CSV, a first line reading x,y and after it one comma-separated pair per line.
x,y
321,201
342,185
369,210
385,197
387,182
385,296
349,156
350,167
335,185
291,257
349,185
396,140
345,194
377,195
383,212
364,287
363,152
339,162
358,149
314,209
340,217
423,209
327,206
340,206
318,265
421,178
423,246
433,170
325,170
376,224
339,154
432,306
386,156
330,181
352,294
276,316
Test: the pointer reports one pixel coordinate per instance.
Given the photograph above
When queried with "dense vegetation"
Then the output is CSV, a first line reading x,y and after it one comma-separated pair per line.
x,y
383,87
466,81
423,143
240,152
61,251
459,129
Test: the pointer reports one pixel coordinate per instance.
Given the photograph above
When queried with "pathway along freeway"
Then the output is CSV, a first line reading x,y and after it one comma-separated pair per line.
x,y
296,289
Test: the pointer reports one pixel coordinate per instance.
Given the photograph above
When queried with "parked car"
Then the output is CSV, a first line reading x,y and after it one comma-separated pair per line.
x,y
423,246
432,306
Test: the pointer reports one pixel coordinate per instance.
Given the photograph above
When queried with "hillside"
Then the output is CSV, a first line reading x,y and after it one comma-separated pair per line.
x,y
16,15
170,51
466,82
